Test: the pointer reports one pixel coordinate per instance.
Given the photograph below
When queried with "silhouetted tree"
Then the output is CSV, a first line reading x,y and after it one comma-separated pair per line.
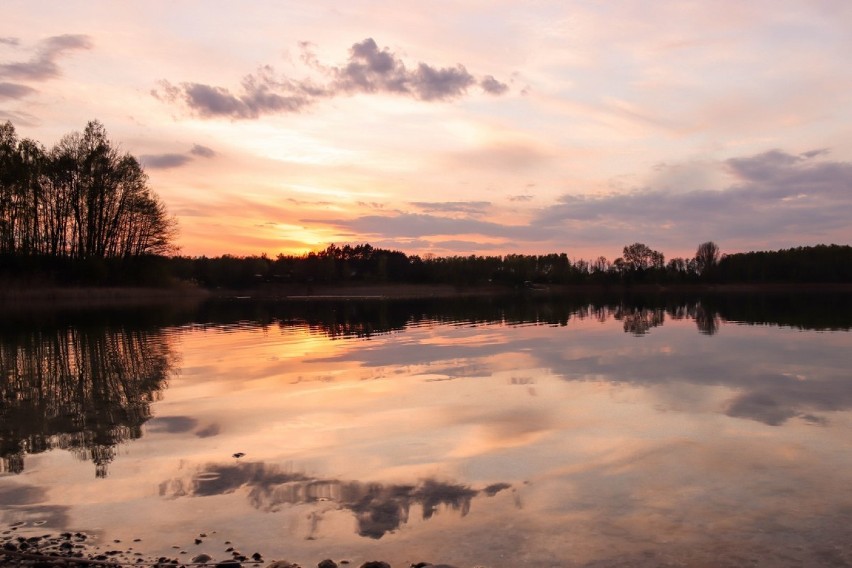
x,y
82,199
639,257
706,257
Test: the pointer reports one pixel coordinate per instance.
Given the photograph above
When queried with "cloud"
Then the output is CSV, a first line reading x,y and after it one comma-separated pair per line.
x,y
416,225
13,41
468,207
368,70
258,98
491,85
521,198
19,118
43,65
164,161
262,93
374,70
203,151
175,160
15,91
775,196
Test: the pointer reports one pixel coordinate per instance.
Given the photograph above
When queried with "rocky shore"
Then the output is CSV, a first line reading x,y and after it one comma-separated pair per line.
x,y
74,550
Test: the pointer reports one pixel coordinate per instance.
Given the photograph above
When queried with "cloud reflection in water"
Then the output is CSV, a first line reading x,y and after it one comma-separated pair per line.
x,y
379,508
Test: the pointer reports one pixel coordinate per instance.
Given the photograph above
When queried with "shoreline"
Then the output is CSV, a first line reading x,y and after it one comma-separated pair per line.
x,y
15,297
75,549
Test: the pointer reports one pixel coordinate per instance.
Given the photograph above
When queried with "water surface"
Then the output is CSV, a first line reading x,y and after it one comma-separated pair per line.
x,y
525,431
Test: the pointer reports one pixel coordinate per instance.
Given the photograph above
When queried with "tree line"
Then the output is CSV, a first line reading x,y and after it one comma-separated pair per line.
x,y
639,264
81,199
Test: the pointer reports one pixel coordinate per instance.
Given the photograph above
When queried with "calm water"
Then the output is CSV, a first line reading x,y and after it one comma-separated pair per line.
x,y
523,432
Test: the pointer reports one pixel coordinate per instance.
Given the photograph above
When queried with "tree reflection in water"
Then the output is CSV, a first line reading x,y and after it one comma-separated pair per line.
x,y
82,389
641,320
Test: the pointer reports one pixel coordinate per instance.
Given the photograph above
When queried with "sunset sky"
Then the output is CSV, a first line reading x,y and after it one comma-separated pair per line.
x,y
463,127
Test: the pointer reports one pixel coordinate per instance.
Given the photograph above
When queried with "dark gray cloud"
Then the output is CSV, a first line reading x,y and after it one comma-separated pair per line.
x,y
175,160
491,85
13,41
202,151
369,69
43,65
257,98
429,83
15,91
776,197
469,207
164,161
372,70
522,198
262,93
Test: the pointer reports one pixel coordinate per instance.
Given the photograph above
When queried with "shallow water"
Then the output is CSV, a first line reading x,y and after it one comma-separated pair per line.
x,y
491,433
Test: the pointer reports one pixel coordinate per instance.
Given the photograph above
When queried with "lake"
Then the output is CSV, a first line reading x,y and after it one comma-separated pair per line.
x,y
520,431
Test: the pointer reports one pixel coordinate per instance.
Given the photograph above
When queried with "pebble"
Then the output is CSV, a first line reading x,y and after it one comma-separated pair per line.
x,y
68,545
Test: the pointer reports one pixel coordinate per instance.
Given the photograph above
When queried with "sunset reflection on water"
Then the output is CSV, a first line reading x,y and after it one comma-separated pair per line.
x,y
608,439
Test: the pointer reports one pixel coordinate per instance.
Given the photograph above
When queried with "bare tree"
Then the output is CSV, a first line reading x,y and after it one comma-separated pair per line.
x,y
706,257
639,257
82,199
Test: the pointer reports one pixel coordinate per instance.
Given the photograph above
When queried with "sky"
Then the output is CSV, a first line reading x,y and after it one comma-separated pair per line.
x,y
456,128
